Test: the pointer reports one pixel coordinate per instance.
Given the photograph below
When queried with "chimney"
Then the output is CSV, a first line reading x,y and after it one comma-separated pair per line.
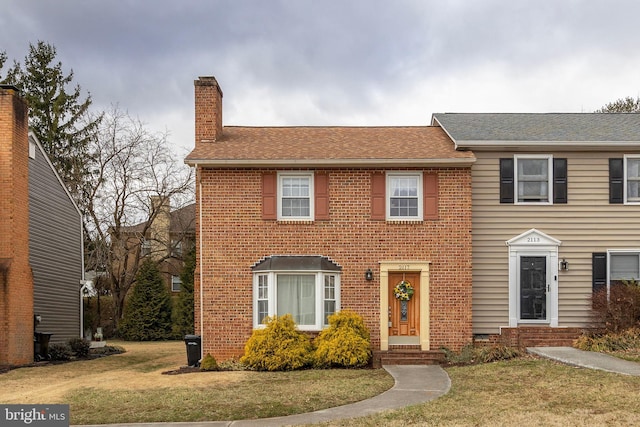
x,y
159,230
208,110
16,279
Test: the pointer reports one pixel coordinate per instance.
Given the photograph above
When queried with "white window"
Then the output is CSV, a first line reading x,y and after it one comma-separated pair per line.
x,y
404,196
295,196
632,179
624,265
533,179
176,284
145,248
310,297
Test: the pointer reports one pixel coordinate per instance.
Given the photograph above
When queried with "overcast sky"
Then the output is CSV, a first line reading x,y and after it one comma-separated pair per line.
x,y
336,62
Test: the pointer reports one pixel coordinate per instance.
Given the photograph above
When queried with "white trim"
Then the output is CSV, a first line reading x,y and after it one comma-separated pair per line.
x,y
296,174
625,177
533,243
549,158
272,295
232,163
404,174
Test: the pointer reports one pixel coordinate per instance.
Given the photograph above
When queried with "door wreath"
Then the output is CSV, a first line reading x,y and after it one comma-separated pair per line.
x,y
403,291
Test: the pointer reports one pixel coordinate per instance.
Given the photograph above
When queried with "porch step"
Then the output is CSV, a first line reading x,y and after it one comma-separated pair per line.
x,y
407,356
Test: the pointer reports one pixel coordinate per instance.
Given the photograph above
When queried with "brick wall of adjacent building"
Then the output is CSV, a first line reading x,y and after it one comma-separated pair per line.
x,y
234,237
16,282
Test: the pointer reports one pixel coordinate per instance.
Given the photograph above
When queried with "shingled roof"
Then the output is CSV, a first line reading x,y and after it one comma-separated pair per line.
x,y
476,130
329,146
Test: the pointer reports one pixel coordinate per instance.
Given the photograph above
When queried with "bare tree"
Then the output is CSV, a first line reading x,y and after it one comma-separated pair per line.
x,y
131,167
622,105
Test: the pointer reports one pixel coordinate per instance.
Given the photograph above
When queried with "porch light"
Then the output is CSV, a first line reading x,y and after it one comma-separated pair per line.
x,y
564,265
368,275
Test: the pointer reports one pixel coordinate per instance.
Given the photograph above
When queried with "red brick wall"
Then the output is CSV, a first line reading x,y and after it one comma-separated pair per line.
x,y
16,282
235,237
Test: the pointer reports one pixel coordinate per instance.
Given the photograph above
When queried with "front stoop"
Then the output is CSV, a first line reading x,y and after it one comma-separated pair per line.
x,y
401,355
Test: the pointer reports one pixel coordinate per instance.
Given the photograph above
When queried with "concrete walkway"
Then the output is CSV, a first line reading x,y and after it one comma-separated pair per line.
x,y
587,359
413,384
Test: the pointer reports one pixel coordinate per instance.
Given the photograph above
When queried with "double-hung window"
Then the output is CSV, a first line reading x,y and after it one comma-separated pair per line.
x,y
404,196
533,178
176,284
614,267
632,179
295,191
310,293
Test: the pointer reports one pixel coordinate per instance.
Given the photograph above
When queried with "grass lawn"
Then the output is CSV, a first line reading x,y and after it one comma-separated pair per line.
x,y
130,388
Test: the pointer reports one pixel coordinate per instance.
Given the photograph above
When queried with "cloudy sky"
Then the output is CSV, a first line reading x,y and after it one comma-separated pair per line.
x,y
336,62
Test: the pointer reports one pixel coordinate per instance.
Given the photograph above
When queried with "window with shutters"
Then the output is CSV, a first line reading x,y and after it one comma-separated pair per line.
x,y
614,267
624,180
540,179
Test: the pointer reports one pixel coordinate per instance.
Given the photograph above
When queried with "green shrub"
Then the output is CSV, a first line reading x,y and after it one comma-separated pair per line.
x,y
280,346
79,347
345,343
60,352
209,363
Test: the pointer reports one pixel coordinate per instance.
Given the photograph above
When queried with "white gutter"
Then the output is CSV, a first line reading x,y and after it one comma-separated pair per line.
x,y
442,162
200,244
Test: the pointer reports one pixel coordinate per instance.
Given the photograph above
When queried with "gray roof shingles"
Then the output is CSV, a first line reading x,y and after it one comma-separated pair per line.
x,y
551,127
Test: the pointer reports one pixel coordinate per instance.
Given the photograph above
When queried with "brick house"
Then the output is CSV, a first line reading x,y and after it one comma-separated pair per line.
x,y
313,220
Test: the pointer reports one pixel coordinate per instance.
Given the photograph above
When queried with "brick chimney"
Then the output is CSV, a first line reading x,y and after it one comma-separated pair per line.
x,y
16,279
208,110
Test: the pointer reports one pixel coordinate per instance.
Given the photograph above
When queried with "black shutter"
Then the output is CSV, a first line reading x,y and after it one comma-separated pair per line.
x,y
616,181
599,271
559,180
506,180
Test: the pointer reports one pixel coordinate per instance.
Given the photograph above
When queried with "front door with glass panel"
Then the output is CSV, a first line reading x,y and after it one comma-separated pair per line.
x,y
533,288
404,307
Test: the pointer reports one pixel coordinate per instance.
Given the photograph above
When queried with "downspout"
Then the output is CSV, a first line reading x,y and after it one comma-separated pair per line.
x,y
200,244
82,281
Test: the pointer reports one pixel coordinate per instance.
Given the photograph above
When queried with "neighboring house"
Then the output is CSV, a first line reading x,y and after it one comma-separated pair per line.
x,y
55,249
166,239
313,220
41,260
556,215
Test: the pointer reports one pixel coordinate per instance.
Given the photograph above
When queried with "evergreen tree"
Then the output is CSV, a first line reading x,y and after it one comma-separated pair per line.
x,y
57,114
183,310
147,314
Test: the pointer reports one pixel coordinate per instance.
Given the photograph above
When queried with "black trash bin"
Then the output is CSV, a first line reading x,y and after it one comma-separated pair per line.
x,y
193,343
41,345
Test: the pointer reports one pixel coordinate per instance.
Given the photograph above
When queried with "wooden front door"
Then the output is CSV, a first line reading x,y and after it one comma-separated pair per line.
x,y
404,316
